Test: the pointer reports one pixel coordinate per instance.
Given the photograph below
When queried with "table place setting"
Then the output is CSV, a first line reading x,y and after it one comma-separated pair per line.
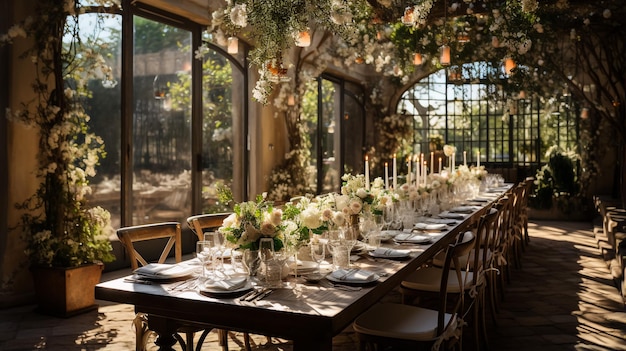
x,y
452,215
437,227
389,253
465,209
163,271
352,276
412,238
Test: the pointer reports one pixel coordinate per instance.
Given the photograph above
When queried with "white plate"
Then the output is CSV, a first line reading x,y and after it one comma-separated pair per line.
x,y
413,239
431,226
370,277
447,221
389,253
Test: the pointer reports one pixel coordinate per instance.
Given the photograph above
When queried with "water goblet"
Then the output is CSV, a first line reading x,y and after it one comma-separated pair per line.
x,y
203,253
318,252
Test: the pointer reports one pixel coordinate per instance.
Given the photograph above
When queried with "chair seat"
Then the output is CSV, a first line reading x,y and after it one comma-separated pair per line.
x,y
429,279
391,320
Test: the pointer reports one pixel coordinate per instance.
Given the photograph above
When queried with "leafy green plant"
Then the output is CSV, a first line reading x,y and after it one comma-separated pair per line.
x,y
557,179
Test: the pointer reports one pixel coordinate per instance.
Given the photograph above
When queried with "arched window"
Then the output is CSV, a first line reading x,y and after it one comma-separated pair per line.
x,y
462,106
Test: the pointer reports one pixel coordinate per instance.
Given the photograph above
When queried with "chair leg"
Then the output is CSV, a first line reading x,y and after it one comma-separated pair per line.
x,y
223,338
189,341
203,336
246,341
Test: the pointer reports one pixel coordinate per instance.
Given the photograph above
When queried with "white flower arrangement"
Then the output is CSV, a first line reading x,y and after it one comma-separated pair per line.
x,y
58,227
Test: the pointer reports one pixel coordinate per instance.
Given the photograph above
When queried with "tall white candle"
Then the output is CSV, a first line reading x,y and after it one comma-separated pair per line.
x,y
425,172
386,175
439,164
367,173
417,169
465,158
453,164
408,174
395,173
478,158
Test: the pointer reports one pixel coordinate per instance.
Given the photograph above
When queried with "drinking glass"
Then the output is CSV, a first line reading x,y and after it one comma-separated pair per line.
x,y
203,253
266,249
219,247
318,252
338,249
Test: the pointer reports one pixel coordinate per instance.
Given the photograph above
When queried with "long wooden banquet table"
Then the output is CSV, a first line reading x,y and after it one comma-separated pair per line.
x,y
310,316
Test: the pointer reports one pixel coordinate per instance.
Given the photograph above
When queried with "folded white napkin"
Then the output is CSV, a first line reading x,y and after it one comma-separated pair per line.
x,y
352,274
227,284
412,238
429,226
451,215
465,209
386,252
440,220
164,270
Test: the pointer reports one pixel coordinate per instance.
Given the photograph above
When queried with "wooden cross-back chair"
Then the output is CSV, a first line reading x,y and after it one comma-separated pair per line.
x,y
170,234
411,327
205,222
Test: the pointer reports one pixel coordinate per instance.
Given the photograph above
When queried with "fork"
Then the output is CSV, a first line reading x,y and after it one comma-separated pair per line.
x,y
327,284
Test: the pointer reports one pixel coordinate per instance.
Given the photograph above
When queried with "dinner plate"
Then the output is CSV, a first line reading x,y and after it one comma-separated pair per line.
x,y
389,253
447,221
412,239
366,277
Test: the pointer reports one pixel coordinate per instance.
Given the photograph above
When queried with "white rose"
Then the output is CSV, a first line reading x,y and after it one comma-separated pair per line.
x,y
362,193
311,218
239,15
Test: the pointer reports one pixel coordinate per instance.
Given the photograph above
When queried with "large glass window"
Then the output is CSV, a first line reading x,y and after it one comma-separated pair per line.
x,y
168,172
161,138
460,106
334,116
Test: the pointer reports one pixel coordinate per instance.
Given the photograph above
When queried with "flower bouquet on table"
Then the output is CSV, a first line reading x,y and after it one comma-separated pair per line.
x,y
251,221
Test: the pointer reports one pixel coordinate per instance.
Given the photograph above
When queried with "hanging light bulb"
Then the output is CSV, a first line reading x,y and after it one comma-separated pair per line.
x,y
233,45
509,65
304,39
444,55
417,59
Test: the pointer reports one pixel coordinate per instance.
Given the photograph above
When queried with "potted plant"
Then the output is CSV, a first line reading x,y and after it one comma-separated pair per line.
x,y
65,239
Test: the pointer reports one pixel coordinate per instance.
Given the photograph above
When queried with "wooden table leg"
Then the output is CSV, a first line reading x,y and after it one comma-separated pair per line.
x,y
165,329
322,343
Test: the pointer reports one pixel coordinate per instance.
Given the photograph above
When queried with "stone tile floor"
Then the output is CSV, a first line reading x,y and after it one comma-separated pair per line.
x,y
563,298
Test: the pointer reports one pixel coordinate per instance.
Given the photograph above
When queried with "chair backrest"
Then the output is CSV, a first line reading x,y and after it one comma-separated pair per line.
x,y
463,245
485,242
201,223
164,230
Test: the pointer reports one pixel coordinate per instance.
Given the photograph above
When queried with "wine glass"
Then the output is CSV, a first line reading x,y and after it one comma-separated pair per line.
x,y
350,237
218,250
318,252
203,253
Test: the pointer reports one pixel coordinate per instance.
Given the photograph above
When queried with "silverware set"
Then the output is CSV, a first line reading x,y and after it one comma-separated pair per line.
x,y
256,295
328,284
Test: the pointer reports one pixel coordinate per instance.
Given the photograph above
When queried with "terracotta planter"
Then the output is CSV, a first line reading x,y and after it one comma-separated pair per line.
x,y
65,292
